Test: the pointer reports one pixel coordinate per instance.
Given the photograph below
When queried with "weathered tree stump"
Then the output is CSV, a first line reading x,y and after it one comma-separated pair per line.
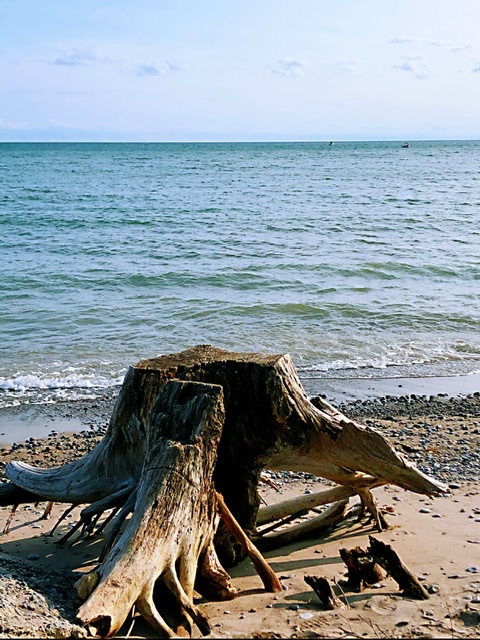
x,y
187,425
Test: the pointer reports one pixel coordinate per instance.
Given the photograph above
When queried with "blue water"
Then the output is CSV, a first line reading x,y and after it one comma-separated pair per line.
x,y
356,258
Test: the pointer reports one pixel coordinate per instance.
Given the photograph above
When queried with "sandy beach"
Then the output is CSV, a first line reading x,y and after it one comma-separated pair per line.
x,y
438,539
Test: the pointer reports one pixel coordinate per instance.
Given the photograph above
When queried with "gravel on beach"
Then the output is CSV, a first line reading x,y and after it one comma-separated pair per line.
x,y
440,434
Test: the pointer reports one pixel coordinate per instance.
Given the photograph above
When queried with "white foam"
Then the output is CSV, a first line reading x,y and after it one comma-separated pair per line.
x,y
26,382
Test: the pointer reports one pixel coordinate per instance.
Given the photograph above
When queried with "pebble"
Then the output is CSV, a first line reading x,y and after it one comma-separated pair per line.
x,y
472,569
424,510
33,556
294,607
433,588
306,616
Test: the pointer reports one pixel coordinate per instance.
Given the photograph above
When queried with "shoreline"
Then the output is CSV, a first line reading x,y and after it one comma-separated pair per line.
x,y
346,390
37,420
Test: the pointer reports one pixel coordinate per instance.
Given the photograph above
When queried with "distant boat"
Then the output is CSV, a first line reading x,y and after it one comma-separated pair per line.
x,y
331,144
405,145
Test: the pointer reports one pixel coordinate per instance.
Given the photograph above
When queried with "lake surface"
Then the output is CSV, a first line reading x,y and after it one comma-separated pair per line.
x,y
358,259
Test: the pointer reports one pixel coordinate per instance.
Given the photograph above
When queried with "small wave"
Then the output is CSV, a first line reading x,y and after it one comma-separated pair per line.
x,y
395,366
34,389
23,383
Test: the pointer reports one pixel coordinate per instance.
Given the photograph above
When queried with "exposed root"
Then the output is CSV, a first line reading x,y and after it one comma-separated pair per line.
x,y
307,502
6,528
370,504
324,591
212,581
332,515
62,517
266,573
362,568
47,511
171,580
148,610
119,519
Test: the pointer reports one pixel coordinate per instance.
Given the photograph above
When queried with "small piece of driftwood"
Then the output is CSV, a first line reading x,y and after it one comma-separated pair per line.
x,y
363,570
388,558
324,591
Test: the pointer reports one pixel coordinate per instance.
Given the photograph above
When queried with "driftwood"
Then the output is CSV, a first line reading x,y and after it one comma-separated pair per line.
x,y
388,558
324,591
174,518
334,514
184,427
363,568
268,576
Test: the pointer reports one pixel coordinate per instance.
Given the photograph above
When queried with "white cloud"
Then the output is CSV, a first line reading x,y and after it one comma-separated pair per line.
x,y
142,70
289,68
466,48
346,65
80,57
416,65
146,70
398,40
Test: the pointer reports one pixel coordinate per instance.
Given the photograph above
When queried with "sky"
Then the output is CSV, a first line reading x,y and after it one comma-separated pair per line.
x,y
234,70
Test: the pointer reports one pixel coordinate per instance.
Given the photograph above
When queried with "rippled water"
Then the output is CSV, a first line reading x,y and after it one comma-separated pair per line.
x,y
354,257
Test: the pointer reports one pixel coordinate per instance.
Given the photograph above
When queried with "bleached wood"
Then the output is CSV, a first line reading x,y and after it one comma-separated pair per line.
x,y
174,519
280,510
188,424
